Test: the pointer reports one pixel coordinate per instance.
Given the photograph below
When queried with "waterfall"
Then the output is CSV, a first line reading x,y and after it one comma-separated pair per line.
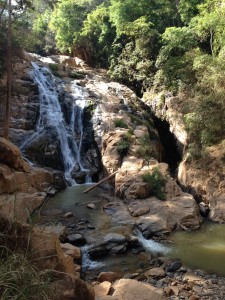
x,y
151,245
69,134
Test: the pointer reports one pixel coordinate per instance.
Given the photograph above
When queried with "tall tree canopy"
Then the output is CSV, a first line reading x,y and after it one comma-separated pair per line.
x,y
156,45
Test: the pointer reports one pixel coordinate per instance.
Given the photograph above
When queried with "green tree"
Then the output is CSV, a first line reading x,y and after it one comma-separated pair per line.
x,y
98,35
188,9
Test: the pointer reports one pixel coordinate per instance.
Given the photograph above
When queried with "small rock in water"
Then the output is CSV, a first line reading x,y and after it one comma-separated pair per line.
x,y
174,266
138,250
118,249
91,206
91,227
68,214
76,239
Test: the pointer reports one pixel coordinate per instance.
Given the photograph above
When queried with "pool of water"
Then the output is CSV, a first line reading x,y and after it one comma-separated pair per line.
x,y
202,249
105,221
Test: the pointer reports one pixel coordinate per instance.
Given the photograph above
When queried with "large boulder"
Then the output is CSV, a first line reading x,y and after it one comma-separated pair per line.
x,y
19,206
70,287
129,289
48,251
112,243
23,188
129,183
11,156
178,212
207,180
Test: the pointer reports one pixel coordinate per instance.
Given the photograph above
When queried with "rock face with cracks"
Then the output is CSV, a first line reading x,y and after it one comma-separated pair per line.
x,y
23,188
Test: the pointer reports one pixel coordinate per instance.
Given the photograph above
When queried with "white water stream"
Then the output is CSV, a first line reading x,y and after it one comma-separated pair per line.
x,y
51,116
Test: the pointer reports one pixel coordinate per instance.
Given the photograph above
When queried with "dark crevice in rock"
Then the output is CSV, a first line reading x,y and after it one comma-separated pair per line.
x,y
172,148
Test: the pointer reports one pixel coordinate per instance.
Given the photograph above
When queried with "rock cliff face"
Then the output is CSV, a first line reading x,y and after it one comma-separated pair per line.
x,y
123,132
130,145
31,127
24,103
23,188
204,177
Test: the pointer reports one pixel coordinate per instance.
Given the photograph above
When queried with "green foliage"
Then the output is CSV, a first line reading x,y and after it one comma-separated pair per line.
x,y
77,75
122,146
67,22
188,9
156,182
19,278
120,123
206,124
138,39
145,149
173,60
53,67
98,34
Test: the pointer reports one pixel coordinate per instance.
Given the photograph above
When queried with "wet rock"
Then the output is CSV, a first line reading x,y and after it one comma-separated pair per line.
x,y
97,251
91,206
76,239
152,225
164,260
174,266
112,243
204,208
137,250
79,177
118,249
91,227
68,214
114,238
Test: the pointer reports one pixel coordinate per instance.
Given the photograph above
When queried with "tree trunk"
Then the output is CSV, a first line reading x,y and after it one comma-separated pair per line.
x,y
2,11
177,3
9,73
100,182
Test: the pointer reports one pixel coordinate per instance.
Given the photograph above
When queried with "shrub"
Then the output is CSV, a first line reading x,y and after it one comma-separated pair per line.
x,y
53,67
20,280
122,147
145,150
156,182
120,123
77,75
19,277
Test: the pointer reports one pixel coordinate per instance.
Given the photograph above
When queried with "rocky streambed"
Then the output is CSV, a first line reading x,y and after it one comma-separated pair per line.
x,y
174,266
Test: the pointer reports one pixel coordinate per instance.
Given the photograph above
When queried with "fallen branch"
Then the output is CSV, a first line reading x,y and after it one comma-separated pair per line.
x,y
100,182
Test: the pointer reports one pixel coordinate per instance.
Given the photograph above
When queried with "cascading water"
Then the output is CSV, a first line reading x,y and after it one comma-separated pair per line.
x,y
151,245
51,116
